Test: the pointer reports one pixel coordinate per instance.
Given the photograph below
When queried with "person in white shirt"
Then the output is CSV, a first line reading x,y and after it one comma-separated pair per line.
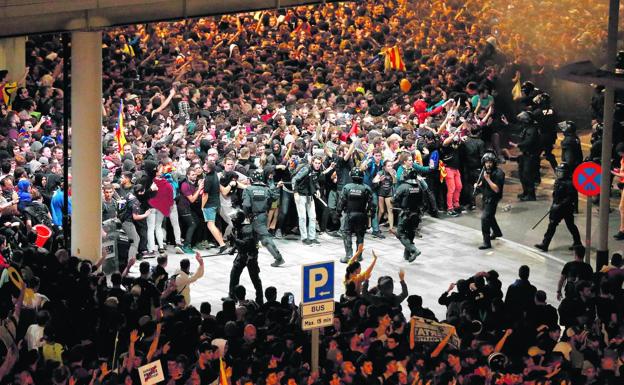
x,y
34,333
184,278
392,147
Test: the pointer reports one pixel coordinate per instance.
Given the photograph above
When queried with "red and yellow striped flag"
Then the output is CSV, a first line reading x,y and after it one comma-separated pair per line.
x,y
120,136
223,378
442,168
393,60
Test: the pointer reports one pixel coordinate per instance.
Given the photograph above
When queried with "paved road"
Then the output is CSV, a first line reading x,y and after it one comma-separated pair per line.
x,y
517,218
449,252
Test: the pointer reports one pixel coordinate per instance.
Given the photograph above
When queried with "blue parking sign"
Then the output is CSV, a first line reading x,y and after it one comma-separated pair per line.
x,y
318,282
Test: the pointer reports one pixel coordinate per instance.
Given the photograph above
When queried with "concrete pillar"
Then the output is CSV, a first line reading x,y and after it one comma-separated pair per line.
x,y
13,56
602,254
86,144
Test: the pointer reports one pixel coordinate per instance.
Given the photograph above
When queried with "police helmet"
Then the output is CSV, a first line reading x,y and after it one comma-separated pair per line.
x,y
524,117
237,217
597,133
562,170
357,175
489,157
567,127
542,100
527,87
256,175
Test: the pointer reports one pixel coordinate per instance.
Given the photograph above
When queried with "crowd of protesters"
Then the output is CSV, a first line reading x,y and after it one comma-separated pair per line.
x,y
204,104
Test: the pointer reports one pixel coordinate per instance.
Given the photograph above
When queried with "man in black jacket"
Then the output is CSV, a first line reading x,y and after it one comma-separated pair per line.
x,y
470,154
571,151
491,185
245,244
520,295
529,160
356,200
384,293
546,119
564,197
306,187
409,198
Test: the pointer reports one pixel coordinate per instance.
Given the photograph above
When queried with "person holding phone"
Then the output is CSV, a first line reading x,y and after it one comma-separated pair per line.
x,y
491,185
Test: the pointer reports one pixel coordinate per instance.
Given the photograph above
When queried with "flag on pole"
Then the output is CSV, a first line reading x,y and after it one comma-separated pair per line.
x,y
393,60
222,372
119,130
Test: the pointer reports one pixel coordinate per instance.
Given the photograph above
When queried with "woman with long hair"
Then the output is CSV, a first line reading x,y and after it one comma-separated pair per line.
x,y
385,181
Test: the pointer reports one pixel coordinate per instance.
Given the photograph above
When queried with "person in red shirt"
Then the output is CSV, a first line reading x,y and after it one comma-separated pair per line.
x,y
420,109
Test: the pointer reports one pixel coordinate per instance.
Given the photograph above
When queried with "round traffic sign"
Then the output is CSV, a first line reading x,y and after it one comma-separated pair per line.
x,y
586,178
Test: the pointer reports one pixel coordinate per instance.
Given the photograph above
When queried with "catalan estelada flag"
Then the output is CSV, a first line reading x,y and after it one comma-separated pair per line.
x,y
119,130
222,373
393,60
442,168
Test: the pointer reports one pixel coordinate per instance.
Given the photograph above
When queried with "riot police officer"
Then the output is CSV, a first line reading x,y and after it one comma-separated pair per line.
x,y
529,160
564,197
409,198
571,151
471,153
595,151
356,201
547,123
529,92
245,243
257,200
491,186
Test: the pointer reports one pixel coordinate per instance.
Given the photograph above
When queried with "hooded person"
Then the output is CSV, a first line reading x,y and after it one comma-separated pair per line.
x,y
23,191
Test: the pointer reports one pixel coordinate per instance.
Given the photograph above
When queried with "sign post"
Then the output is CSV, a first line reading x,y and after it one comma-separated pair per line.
x,y
586,179
317,305
588,224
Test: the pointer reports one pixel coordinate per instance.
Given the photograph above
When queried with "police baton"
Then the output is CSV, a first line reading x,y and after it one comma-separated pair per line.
x,y
476,186
320,200
540,221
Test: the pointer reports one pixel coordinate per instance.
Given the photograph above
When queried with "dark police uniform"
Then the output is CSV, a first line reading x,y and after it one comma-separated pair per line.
x,y
571,151
470,154
529,160
564,198
409,198
489,225
286,196
245,243
547,122
257,200
356,200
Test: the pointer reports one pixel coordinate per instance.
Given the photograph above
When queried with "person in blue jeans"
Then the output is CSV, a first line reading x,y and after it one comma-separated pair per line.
x,y
371,166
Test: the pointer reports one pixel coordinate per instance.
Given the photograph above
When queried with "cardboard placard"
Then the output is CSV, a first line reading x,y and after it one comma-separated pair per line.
x,y
151,373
